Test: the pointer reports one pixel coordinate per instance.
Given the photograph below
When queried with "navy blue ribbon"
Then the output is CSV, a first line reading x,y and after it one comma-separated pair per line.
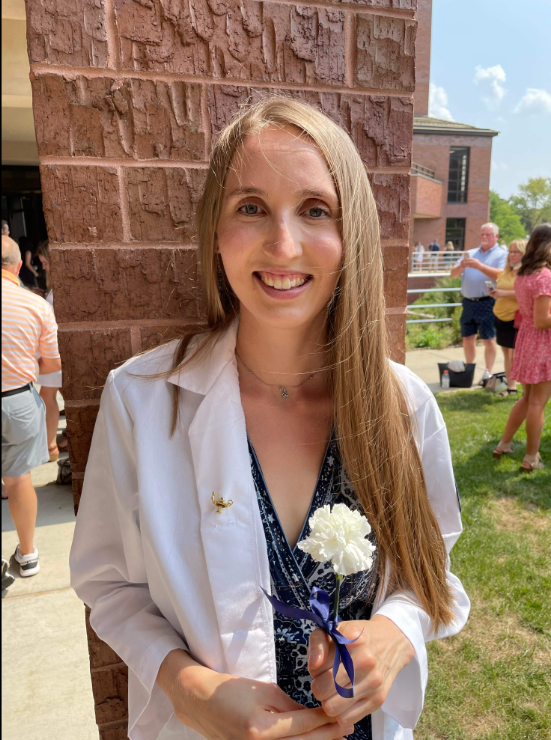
x,y
321,615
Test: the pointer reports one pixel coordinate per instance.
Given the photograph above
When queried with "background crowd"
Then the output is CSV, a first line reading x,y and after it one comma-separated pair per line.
x,y
30,420
506,301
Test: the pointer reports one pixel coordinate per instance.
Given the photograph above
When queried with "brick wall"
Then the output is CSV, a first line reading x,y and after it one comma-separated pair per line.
x,y
127,97
422,57
433,151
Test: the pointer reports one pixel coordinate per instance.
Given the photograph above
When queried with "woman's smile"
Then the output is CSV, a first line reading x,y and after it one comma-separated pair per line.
x,y
282,285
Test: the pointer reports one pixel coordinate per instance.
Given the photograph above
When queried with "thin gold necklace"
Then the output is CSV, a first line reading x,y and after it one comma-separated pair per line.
x,y
284,390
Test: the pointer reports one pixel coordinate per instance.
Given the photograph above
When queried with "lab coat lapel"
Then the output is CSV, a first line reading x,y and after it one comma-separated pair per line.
x,y
233,539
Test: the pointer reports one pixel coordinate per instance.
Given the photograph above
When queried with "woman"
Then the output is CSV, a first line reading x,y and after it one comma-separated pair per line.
x,y
206,453
50,383
505,309
29,272
532,361
449,256
418,254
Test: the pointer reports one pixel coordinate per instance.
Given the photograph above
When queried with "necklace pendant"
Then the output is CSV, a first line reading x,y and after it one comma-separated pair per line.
x,y
284,393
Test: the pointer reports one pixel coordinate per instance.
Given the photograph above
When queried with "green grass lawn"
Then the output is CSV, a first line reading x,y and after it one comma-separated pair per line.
x,y
493,680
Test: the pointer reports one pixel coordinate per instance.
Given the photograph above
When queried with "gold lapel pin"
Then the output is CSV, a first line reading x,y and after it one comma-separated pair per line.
x,y
220,503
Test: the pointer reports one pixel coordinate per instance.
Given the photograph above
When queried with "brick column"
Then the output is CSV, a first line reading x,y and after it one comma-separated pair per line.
x,y
127,97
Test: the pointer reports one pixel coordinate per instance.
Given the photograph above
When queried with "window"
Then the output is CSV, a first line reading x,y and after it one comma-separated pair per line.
x,y
455,232
458,179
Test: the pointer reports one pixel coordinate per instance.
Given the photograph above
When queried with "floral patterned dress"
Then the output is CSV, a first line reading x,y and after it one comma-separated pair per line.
x,y
532,361
293,574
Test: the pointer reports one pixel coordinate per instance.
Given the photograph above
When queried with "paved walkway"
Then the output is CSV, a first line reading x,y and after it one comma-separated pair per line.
x,y
46,688
424,362
46,691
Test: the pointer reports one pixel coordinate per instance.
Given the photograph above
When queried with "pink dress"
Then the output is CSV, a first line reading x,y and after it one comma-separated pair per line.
x,y
532,362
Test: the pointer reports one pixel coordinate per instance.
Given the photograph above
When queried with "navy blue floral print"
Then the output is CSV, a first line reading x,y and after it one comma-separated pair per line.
x,y
293,574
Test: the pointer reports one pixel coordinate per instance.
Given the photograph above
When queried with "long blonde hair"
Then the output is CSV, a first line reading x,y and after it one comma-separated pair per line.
x,y
372,423
520,244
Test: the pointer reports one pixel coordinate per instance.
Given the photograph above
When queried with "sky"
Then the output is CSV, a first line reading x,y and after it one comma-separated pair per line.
x,y
491,67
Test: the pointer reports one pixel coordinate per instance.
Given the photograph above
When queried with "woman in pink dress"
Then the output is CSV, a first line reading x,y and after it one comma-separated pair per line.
x,y
532,363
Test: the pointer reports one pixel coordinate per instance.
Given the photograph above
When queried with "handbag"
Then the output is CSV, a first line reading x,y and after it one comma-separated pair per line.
x,y
496,384
518,320
64,474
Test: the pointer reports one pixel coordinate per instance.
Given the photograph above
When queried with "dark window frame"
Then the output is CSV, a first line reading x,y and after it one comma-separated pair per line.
x,y
456,229
458,174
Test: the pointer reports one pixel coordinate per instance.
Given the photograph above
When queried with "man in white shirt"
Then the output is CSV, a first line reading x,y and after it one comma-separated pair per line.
x,y
479,265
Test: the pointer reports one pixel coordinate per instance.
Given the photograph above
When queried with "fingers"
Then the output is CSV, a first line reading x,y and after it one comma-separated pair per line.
x,y
298,724
328,732
321,652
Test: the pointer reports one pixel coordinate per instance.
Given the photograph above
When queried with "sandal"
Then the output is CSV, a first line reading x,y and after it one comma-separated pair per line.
x,y
54,452
507,392
502,449
531,462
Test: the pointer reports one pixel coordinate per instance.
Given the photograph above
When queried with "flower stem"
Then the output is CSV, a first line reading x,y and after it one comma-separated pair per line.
x,y
336,596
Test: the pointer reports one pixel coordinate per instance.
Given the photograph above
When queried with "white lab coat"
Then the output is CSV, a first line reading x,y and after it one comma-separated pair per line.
x,y
161,569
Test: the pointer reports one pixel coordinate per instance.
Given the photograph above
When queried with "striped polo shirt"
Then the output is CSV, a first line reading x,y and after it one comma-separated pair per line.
x,y
28,328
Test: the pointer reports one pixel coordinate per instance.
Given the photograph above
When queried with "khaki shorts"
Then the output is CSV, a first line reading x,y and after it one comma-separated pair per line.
x,y
24,437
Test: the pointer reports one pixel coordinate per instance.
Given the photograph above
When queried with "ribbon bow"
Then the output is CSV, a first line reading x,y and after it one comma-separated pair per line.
x,y
321,614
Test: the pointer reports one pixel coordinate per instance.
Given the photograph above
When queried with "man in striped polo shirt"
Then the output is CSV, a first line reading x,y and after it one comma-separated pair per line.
x,y
28,328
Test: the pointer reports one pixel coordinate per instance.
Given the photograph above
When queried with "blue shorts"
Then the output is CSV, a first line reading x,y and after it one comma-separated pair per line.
x,y
478,317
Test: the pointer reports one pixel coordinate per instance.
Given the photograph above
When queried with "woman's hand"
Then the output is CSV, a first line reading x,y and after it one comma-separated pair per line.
x,y
223,707
498,293
379,654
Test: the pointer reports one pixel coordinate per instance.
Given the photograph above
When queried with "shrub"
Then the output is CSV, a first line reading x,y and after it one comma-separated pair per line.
x,y
436,335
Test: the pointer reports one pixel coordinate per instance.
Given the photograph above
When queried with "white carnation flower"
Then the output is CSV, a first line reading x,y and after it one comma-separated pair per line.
x,y
339,535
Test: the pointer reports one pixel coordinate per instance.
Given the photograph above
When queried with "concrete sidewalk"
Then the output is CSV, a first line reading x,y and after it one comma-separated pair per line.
x,y
46,691
46,687
424,363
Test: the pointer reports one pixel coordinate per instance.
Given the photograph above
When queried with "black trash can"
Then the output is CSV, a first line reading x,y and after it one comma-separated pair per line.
x,y
458,380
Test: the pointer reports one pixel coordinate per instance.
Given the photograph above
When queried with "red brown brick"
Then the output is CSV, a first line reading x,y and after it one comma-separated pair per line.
x,y
81,204
125,284
385,52
101,117
116,731
256,41
380,126
76,485
89,356
387,4
162,202
80,427
391,193
396,332
68,32
395,275
110,687
101,655
153,336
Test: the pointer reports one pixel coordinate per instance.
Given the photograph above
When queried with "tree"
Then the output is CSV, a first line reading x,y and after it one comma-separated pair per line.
x,y
533,204
509,222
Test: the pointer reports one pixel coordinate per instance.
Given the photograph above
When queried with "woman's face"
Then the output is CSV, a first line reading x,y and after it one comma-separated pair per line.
x,y
278,233
514,257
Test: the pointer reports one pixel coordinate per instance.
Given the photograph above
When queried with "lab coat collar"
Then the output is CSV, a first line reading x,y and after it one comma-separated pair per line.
x,y
201,375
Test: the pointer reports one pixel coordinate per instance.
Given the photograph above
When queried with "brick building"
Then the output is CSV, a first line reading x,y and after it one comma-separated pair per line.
x,y
127,97
450,175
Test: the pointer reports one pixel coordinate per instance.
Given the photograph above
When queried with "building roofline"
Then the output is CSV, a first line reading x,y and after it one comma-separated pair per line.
x,y
430,125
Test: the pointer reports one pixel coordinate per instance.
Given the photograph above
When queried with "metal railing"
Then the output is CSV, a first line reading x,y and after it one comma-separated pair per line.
x,y
430,262
418,169
434,265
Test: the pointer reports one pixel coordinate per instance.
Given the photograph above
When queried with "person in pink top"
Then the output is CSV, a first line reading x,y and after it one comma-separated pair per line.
x,y
532,363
